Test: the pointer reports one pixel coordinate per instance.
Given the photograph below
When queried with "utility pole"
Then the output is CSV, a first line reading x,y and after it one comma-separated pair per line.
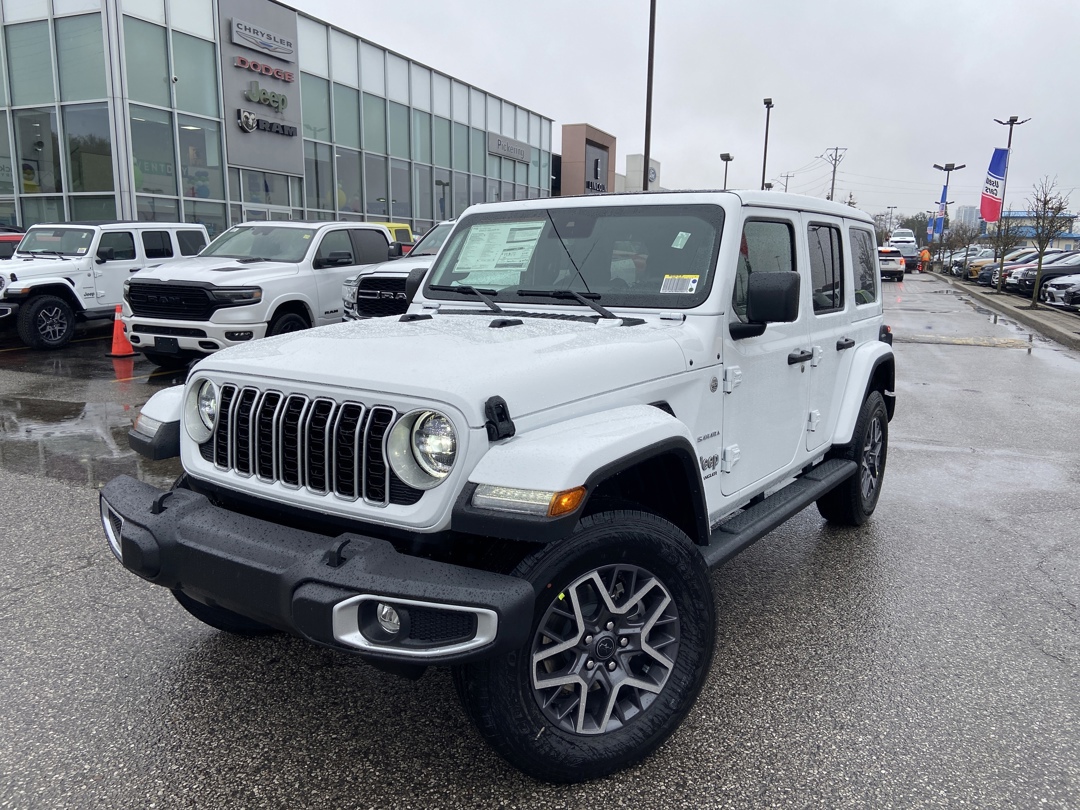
x,y
785,177
1014,121
891,209
648,97
834,159
948,168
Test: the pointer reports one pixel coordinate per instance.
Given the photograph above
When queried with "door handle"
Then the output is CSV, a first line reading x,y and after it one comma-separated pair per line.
x,y
801,356
844,343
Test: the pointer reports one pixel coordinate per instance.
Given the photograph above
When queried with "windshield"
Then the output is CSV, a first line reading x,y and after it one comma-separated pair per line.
x,y
64,241
641,255
270,242
431,241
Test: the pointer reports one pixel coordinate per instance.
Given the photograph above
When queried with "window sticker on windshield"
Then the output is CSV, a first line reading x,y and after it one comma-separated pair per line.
x,y
499,246
306,236
81,250
680,241
679,284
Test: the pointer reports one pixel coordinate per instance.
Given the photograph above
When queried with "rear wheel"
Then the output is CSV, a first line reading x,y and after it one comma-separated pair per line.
x,y
622,639
46,322
853,502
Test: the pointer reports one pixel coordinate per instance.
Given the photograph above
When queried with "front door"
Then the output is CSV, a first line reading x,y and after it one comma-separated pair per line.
x,y
330,276
109,276
766,384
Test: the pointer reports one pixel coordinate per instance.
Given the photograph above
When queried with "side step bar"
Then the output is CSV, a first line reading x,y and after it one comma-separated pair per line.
x,y
739,532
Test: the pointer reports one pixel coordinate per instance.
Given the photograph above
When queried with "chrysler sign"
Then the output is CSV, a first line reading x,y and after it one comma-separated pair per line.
x,y
259,39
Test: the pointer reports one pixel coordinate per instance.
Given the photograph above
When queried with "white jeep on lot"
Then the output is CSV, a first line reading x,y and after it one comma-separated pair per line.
x,y
590,403
256,279
64,273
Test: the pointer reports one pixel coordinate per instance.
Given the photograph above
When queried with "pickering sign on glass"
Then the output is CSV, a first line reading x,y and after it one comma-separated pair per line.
x,y
259,39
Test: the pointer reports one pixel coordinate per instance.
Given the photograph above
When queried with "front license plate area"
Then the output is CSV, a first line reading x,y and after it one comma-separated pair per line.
x,y
167,345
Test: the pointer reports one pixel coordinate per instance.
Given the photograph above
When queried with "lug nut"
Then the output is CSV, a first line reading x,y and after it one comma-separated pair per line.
x,y
588,639
611,666
590,664
623,641
611,625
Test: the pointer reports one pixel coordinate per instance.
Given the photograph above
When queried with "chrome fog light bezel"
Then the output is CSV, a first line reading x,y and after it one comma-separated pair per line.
x,y
404,458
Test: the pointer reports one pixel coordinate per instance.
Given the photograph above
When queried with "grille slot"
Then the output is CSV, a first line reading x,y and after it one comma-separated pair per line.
x,y
327,447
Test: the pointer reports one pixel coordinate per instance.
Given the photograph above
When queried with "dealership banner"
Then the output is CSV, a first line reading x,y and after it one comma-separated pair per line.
x,y
994,187
939,220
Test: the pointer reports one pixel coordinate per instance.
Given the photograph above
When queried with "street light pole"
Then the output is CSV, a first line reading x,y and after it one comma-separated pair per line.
x,y
648,97
765,152
727,157
1014,121
948,168
891,209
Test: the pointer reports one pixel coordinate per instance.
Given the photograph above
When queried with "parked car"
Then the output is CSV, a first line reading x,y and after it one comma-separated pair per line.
x,y
1020,254
400,233
1056,266
1063,292
9,240
963,264
910,252
66,272
902,236
892,263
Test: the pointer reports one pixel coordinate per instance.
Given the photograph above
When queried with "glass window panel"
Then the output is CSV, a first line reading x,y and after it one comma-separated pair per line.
x,y
400,197
30,63
507,191
826,268
521,172
236,215
38,150
866,265
147,66
421,136
200,158
150,9
7,175
344,59
265,188
348,181
42,209
375,188
494,167
519,192
423,196
234,185
508,169
440,142
397,79
398,130
492,191
461,194
318,176
522,124
476,108
157,209
195,16
508,119
311,43
461,103
374,124
18,10
212,215
421,87
545,135
296,190
545,171
346,116
89,147
80,57
440,95
153,151
476,189
74,6
315,106
478,151
461,147
534,193
494,114
372,69
195,66
87,209
534,129
534,167
444,201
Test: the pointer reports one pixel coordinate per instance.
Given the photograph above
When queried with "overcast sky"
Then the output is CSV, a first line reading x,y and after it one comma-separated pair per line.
x,y
901,85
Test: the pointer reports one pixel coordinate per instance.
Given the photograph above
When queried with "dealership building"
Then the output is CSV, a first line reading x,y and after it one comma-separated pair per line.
x,y
222,111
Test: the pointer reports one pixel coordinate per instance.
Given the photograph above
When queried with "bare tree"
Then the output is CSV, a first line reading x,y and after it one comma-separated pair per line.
x,y
1050,218
1007,237
961,235
881,228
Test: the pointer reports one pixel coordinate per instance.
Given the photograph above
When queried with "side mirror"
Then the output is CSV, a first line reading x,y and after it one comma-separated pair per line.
x,y
770,298
394,251
106,254
414,282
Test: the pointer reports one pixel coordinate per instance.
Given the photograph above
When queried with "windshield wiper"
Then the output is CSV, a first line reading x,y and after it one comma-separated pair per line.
x,y
46,253
576,296
252,259
465,288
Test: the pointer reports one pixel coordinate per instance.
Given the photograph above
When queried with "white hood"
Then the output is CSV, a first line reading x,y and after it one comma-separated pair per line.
x,y
462,360
218,270
25,266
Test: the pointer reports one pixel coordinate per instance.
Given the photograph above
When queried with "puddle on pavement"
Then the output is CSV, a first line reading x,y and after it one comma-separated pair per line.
x,y
79,442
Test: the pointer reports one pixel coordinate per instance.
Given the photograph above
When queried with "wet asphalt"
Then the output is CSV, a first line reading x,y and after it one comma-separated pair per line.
x,y
928,659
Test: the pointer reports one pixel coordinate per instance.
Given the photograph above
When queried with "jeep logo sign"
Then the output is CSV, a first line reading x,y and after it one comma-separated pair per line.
x,y
257,95
709,463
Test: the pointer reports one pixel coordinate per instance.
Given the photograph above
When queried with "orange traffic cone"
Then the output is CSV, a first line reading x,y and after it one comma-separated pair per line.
x,y
121,346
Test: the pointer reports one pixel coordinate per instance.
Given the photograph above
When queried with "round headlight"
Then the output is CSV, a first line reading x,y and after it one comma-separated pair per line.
x,y
434,444
208,404
201,410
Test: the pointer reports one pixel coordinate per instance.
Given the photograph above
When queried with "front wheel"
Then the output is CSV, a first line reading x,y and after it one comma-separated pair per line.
x,y
46,322
622,639
287,322
169,362
852,502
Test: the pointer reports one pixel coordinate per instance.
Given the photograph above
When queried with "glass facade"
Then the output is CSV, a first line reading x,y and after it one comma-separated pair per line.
x,y
120,109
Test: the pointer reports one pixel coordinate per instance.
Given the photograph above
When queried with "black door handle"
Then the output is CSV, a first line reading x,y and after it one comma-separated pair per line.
x,y
844,343
800,356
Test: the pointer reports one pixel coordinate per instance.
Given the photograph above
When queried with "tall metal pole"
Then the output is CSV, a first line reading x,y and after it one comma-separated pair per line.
x,y
835,161
727,157
765,152
891,209
1014,121
948,168
648,97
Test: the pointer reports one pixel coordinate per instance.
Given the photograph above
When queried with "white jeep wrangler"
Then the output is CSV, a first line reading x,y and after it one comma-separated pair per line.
x,y
65,272
591,402
256,279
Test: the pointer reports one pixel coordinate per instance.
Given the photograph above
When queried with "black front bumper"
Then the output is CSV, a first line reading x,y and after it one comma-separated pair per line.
x,y
297,581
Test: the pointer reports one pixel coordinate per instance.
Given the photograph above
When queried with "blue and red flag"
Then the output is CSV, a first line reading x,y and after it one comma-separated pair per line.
x,y
994,188
939,220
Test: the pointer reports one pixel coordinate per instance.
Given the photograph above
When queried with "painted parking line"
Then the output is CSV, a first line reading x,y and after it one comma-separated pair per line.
x,y
80,340
1000,343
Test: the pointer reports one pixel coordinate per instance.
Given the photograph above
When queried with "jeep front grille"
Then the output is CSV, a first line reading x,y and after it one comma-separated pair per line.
x,y
377,296
314,443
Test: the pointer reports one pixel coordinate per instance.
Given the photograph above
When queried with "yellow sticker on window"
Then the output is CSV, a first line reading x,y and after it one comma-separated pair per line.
x,y
679,284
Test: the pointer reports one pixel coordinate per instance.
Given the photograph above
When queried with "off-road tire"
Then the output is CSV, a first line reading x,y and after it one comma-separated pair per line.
x,y
222,619
46,322
634,554
287,322
853,502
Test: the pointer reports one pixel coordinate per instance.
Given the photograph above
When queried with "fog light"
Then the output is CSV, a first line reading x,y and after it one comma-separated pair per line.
x,y
388,618
239,335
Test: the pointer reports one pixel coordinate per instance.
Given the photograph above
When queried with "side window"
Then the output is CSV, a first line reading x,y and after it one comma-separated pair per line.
x,y
766,247
335,242
867,273
157,244
371,246
826,268
191,242
122,243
